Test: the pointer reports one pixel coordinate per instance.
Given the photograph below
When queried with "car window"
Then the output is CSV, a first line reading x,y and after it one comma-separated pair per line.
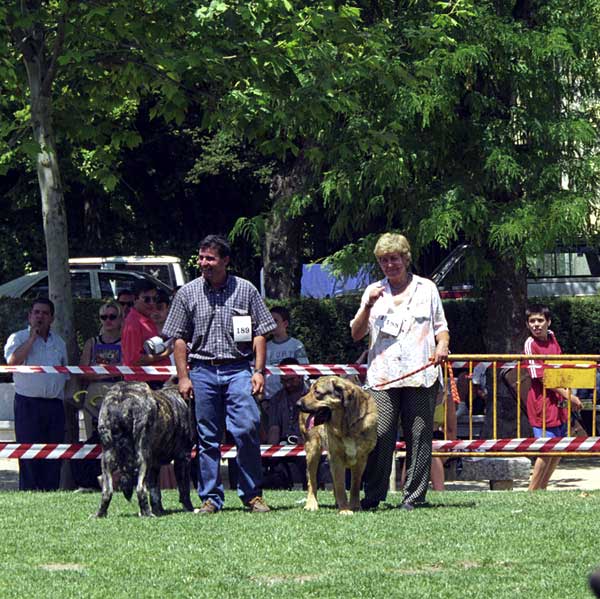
x,y
162,272
571,263
80,287
112,282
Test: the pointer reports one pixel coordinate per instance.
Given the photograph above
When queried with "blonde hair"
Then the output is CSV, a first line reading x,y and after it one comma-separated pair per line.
x,y
390,243
111,304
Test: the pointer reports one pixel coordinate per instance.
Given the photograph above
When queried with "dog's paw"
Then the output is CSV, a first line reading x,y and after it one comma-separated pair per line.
x,y
346,512
311,505
147,514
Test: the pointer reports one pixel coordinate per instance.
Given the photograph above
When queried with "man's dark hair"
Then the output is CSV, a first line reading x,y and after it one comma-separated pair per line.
x,y
537,309
43,300
124,292
286,361
162,297
282,311
217,242
141,285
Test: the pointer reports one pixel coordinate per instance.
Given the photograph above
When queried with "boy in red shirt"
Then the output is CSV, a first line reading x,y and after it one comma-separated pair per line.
x,y
542,341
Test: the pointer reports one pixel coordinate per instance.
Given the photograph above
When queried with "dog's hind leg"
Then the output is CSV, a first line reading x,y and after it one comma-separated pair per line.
x,y
312,447
107,483
141,490
153,483
182,475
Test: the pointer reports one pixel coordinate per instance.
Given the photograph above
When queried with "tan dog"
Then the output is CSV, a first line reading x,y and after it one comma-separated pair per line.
x,y
339,414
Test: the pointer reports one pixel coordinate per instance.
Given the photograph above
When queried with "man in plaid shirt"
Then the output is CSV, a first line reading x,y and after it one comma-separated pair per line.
x,y
223,320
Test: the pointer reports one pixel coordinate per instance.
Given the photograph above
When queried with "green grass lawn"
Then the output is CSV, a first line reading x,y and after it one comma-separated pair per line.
x,y
467,544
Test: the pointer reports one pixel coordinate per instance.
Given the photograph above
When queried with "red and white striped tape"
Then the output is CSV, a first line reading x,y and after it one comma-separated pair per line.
x,y
80,451
309,369
304,369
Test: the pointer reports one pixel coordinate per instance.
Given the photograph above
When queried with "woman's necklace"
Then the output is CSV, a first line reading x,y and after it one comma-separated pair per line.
x,y
396,290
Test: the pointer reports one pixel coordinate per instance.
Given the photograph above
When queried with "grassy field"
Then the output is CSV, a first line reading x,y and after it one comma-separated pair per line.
x,y
501,545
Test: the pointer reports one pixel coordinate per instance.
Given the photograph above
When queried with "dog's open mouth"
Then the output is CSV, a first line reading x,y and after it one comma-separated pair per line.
x,y
321,416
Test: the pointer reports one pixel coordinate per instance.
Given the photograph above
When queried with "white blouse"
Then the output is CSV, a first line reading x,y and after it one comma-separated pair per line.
x,y
402,337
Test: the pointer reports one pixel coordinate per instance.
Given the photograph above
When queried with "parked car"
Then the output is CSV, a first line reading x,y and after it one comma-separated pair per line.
x,y
167,269
89,283
569,271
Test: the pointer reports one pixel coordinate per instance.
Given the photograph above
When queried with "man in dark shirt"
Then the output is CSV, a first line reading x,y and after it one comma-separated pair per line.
x,y
224,320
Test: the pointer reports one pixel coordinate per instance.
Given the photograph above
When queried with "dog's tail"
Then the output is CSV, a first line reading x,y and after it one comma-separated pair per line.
x,y
126,484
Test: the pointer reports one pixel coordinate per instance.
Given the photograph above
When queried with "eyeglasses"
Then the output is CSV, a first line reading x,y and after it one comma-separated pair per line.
x,y
149,299
127,304
109,316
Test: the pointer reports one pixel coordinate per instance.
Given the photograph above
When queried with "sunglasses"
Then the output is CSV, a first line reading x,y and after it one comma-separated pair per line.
x,y
109,316
128,304
149,299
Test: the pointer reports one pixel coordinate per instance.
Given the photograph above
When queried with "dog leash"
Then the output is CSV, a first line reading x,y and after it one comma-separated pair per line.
x,y
453,387
408,374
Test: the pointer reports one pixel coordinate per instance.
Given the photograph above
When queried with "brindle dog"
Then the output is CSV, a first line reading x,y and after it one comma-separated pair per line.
x,y
140,430
342,416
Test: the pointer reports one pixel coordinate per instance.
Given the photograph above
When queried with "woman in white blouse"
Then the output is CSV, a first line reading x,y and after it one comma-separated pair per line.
x,y
407,328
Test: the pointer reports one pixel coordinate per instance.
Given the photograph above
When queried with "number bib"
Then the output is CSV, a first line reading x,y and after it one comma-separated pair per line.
x,y
242,328
392,325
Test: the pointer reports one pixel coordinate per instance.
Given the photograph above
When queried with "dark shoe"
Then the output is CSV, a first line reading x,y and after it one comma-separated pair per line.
x,y
368,504
406,506
207,508
258,505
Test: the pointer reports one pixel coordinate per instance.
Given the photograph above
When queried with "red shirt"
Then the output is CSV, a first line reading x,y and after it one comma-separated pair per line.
x,y
555,415
136,330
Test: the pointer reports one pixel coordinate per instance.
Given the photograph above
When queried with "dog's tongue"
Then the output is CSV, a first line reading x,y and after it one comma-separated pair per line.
x,y
310,421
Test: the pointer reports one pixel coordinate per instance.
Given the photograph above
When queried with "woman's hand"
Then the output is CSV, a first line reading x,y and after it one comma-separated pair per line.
x,y
374,295
442,348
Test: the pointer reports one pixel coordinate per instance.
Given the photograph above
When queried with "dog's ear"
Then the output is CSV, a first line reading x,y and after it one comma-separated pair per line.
x,y
355,404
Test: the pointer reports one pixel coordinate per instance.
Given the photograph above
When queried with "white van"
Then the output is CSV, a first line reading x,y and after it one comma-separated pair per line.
x,y
568,271
167,269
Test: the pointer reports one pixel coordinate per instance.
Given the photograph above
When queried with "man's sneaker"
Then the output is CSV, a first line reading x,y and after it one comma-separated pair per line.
x,y
258,505
207,508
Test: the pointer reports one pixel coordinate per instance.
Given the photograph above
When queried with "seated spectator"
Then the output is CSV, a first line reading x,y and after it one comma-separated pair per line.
x,y
284,428
104,348
281,346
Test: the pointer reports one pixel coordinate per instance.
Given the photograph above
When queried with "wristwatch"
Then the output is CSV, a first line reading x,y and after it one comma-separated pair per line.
x,y
259,371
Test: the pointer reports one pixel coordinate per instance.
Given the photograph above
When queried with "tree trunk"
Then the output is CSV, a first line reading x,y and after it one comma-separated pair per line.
x,y
505,303
51,192
283,235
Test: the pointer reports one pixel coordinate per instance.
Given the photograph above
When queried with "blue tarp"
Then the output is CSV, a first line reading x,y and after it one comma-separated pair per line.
x,y
317,282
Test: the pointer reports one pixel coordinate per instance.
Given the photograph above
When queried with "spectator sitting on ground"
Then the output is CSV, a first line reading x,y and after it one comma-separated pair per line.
x,y
281,346
126,299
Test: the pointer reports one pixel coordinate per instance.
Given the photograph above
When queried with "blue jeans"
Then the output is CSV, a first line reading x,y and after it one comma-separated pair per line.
x,y
223,395
551,431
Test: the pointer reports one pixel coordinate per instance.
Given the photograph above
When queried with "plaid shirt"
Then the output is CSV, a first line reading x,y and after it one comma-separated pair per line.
x,y
202,316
